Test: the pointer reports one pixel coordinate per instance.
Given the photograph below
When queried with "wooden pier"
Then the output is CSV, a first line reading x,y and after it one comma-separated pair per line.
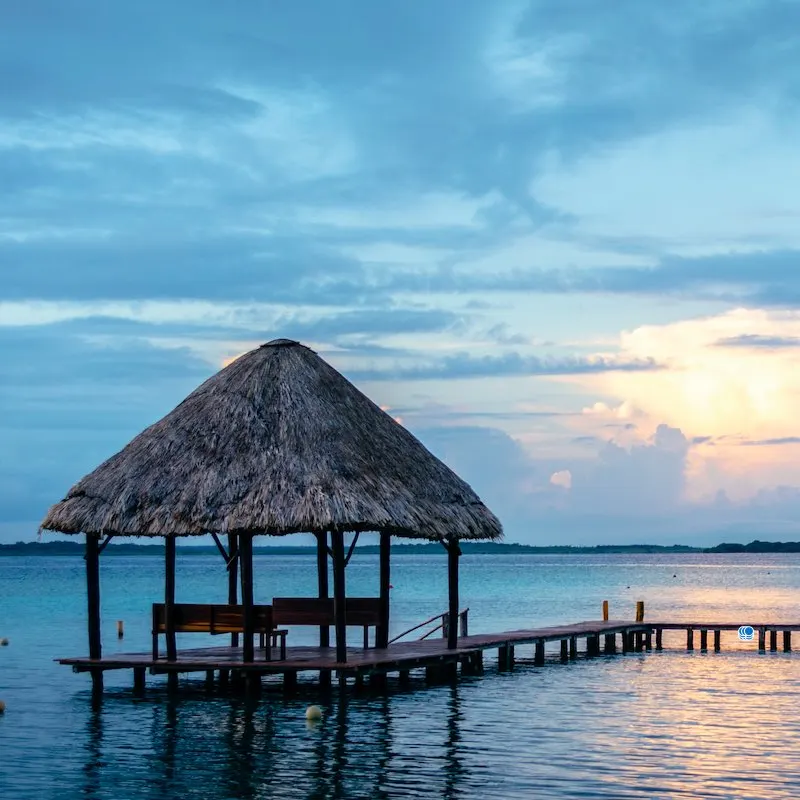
x,y
586,638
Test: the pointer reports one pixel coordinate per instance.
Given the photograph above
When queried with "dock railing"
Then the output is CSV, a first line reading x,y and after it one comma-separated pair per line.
x,y
443,625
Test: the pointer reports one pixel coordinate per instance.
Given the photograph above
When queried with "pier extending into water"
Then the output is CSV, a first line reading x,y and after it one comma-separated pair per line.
x,y
224,665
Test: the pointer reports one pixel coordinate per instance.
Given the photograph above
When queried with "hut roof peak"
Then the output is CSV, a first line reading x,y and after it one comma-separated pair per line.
x,y
285,343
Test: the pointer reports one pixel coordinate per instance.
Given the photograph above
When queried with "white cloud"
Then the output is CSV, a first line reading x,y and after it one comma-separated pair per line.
x,y
732,184
719,394
293,135
562,478
429,210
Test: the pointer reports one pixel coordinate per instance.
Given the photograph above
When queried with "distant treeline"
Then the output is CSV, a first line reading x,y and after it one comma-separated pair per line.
x,y
756,547
66,548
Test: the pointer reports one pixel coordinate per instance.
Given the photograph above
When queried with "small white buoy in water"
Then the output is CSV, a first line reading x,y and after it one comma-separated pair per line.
x,y
2,707
3,642
313,713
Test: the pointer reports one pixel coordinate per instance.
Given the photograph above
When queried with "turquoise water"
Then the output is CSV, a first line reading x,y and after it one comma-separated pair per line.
x,y
667,724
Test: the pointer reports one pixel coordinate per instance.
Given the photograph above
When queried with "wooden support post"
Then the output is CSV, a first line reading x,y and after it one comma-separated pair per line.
x,y
690,638
252,684
573,647
638,642
93,609
382,631
787,641
233,578
169,598
404,677
379,681
605,610
325,680
610,643
593,645
626,642
290,682
640,610
339,595
138,681
648,640
224,678
209,680
502,658
172,681
453,553
773,640
564,649
762,639
248,626
538,653
717,640
703,640
477,658
322,585
659,638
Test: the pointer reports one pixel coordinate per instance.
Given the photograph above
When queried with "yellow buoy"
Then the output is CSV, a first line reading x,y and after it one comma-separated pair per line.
x,y
313,713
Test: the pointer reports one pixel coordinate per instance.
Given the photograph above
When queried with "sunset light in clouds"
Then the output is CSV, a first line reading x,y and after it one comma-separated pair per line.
x,y
579,286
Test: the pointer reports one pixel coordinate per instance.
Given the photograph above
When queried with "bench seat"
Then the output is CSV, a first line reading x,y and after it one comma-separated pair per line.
x,y
364,612
217,619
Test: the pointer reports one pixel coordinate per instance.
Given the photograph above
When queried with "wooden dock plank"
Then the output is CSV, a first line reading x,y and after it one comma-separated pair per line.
x,y
400,656
303,658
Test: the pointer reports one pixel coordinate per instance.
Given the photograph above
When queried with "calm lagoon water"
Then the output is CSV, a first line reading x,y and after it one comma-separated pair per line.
x,y
653,725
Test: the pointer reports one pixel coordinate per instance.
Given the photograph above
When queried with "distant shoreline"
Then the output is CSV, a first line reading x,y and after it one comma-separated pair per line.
x,y
65,548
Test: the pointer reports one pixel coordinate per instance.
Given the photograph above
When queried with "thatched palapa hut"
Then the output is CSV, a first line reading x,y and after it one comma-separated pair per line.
x,y
277,442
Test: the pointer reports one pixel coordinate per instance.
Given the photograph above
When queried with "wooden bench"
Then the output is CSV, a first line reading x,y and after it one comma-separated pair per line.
x,y
216,619
359,611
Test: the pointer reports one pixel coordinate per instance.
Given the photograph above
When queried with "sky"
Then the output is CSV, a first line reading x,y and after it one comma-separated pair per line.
x,y
558,239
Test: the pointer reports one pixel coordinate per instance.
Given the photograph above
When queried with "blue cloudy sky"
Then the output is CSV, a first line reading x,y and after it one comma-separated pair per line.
x,y
559,239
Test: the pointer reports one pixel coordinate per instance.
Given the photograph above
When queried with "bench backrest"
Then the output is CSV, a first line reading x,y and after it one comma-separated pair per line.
x,y
364,611
211,618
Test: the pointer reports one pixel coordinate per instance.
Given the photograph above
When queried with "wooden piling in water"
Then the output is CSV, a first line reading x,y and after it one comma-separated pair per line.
x,y
605,610
703,640
640,610
648,640
610,643
717,636
773,640
139,681
690,638
762,640
564,649
538,656
787,641
573,647
659,638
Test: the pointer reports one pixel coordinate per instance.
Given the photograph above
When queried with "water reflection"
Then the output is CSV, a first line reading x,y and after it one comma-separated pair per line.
x,y
658,725
94,751
226,748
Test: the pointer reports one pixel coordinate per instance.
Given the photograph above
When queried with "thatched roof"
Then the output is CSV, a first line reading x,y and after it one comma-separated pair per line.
x,y
277,442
